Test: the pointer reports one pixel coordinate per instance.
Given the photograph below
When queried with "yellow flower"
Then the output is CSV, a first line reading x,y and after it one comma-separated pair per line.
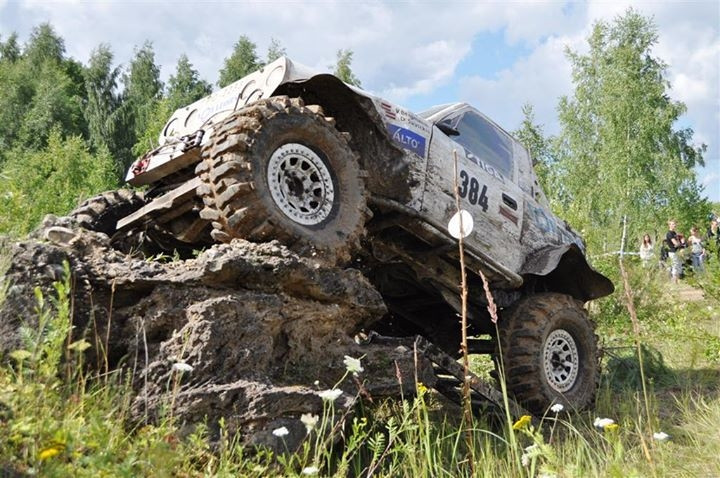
x,y
421,389
612,427
522,422
48,453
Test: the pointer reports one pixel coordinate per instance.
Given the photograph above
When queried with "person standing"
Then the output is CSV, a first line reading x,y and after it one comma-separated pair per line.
x,y
713,237
697,251
647,251
673,245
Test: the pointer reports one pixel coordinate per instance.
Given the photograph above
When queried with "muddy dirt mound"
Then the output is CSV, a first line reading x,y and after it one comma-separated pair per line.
x,y
247,332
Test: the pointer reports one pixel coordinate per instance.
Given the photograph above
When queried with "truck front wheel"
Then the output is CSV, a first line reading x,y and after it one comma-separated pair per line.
x,y
280,170
550,354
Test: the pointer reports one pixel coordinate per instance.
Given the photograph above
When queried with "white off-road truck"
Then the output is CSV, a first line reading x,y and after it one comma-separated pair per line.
x,y
333,171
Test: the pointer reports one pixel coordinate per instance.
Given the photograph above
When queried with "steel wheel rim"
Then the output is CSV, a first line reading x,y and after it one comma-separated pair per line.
x,y
300,184
561,360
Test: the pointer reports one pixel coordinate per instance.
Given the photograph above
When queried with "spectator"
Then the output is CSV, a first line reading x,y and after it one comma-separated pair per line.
x,y
713,236
673,245
697,251
647,251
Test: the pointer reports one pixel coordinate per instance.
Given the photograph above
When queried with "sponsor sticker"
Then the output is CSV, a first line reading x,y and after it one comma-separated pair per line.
x,y
408,139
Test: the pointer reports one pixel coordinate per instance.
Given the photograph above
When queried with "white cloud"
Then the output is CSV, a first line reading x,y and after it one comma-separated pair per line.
x,y
403,49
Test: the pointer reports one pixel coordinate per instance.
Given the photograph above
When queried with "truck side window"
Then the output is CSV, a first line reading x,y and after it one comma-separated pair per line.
x,y
486,142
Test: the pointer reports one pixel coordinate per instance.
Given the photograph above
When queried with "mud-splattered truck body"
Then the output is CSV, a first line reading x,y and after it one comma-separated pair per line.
x,y
334,171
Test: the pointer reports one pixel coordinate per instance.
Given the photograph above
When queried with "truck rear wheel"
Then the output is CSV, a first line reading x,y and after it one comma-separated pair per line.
x,y
550,353
102,212
280,170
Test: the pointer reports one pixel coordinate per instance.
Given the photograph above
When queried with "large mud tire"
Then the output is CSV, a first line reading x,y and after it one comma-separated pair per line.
x,y
102,212
280,170
550,353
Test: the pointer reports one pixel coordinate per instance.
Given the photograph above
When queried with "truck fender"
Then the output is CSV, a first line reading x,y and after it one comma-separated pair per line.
x,y
564,268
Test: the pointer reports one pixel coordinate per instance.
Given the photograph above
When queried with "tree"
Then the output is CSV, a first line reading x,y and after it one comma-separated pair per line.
x,y
185,86
44,45
9,49
618,136
532,137
275,50
41,90
53,180
240,63
143,90
103,101
343,69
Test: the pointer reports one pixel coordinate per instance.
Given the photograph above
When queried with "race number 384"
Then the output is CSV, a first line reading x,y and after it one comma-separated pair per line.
x,y
471,189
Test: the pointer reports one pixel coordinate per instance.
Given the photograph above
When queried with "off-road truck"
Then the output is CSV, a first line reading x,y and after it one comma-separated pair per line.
x,y
340,174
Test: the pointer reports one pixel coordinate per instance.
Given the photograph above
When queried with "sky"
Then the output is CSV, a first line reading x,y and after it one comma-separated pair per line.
x,y
496,56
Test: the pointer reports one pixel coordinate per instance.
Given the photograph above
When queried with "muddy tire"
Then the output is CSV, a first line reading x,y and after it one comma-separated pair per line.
x,y
550,353
280,170
101,213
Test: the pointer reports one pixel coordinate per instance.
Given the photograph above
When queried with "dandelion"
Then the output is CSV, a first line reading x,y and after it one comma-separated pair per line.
x,y
309,420
522,422
182,367
661,436
612,427
603,422
557,408
310,470
330,395
280,432
353,365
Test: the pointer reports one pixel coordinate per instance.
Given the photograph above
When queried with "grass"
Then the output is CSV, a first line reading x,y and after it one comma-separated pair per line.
x,y
58,419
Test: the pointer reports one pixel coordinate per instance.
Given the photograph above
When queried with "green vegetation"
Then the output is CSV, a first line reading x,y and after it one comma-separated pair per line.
x,y
67,132
58,419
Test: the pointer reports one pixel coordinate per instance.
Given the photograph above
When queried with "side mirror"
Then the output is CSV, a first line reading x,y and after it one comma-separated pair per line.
x,y
445,127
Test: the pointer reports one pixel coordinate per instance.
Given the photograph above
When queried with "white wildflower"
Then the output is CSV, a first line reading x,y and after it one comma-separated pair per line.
x,y
603,422
531,451
316,383
353,365
661,436
309,420
330,395
557,408
310,470
182,367
280,432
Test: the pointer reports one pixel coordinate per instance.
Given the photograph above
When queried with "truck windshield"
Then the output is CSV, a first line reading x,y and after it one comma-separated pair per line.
x,y
486,142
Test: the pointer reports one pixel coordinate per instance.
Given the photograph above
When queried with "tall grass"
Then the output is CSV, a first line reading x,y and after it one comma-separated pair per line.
x,y
59,419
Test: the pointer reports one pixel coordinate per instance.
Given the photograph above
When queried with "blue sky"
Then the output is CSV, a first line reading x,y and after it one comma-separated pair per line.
x,y
494,55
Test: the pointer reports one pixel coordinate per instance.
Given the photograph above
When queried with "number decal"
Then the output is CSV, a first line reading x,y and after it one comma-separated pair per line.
x,y
470,187
483,199
463,185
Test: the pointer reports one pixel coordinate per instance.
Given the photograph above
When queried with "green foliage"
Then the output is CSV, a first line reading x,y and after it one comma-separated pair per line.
x,y
242,61
41,91
618,134
142,94
531,135
155,123
185,86
53,180
105,125
275,50
343,68
9,49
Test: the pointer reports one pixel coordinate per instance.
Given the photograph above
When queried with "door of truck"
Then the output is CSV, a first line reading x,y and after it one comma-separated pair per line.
x,y
487,175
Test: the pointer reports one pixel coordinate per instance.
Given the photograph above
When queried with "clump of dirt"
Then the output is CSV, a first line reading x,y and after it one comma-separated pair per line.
x,y
245,332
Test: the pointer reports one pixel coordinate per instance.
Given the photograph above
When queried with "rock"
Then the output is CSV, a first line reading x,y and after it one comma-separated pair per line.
x,y
262,328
